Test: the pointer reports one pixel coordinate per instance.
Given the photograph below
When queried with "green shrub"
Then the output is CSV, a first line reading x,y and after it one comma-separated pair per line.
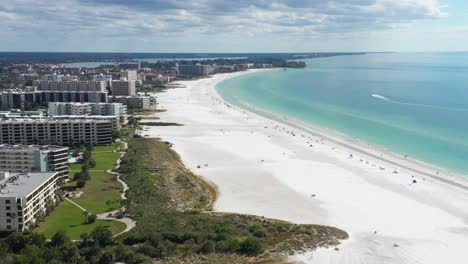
x,y
250,247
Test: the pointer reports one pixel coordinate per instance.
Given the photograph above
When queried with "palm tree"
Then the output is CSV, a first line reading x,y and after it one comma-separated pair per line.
x,y
85,213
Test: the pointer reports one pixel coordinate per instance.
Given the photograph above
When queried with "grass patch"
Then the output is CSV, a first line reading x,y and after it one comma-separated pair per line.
x,y
70,218
172,206
159,124
102,192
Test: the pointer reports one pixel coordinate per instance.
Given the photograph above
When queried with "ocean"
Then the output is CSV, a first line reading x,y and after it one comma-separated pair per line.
x,y
413,104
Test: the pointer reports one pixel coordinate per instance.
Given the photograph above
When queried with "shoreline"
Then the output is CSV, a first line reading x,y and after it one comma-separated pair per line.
x,y
267,168
388,157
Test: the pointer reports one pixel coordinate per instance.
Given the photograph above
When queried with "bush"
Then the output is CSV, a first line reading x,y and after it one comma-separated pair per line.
x,y
81,183
78,176
59,239
207,247
92,163
250,247
257,231
102,236
92,218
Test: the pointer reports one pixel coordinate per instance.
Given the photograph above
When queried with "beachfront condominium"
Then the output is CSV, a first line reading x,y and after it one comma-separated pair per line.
x,y
103,78
123,88
34,158
50,131
196,69
89,109
99,86
129,75
134,102
25,197
28,100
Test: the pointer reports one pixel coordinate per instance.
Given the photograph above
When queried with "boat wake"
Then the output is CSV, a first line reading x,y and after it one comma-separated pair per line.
x,y
378,96
386,99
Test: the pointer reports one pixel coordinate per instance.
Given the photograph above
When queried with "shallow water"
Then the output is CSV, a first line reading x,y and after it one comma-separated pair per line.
x,y
414,104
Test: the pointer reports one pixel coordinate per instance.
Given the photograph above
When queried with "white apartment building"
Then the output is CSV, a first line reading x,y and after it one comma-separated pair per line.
x,y
134,102
23,197
59,77
129,75
123,88
21,100
89,109
102,77
51,131
76,85
34,158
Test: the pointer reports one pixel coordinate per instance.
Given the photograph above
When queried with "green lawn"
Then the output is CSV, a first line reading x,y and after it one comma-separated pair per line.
x,y
102,192
70,218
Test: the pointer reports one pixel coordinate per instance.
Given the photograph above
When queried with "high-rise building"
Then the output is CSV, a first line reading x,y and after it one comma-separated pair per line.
x,y
25,100
24,197
197,69
51,131
99,86
123,87
89,109
134,102
34,158
128,75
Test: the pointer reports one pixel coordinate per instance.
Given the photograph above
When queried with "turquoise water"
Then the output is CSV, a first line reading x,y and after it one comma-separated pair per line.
x,y
413,104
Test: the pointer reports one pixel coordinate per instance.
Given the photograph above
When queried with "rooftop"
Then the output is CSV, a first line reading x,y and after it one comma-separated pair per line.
x,y
22,184
26,147
79,119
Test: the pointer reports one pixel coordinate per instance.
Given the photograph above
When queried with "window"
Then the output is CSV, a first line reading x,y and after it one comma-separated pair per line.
x,y
8,227
7,201
8,208
8,220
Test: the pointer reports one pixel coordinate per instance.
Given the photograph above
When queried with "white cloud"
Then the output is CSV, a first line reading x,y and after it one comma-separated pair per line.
x,y
119,19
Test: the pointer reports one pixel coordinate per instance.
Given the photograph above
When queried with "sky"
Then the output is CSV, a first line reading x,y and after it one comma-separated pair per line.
x,y
213,26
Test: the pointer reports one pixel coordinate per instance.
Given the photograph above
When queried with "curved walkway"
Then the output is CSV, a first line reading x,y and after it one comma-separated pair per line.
x,y
130,223
113,214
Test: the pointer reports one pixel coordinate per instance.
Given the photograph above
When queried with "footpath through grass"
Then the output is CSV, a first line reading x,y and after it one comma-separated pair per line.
x,y
70,218
102,192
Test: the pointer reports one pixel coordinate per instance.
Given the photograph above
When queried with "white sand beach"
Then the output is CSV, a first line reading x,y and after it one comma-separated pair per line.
x,y
269,168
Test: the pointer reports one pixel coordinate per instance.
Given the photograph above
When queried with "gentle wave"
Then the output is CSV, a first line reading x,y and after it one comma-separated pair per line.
x,y
386,99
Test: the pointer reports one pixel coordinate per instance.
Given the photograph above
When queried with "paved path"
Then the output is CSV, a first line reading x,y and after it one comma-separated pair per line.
x,y
112,215
77,205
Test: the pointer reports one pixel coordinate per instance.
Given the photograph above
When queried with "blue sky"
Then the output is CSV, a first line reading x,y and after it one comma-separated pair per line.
x,y
233,25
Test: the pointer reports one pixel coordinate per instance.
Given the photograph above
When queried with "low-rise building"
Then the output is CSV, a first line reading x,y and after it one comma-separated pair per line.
x,y
59,77
34,158
24,197
51,131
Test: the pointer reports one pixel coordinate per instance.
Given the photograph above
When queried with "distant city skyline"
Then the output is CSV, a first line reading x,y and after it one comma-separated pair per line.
x,y
210,26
